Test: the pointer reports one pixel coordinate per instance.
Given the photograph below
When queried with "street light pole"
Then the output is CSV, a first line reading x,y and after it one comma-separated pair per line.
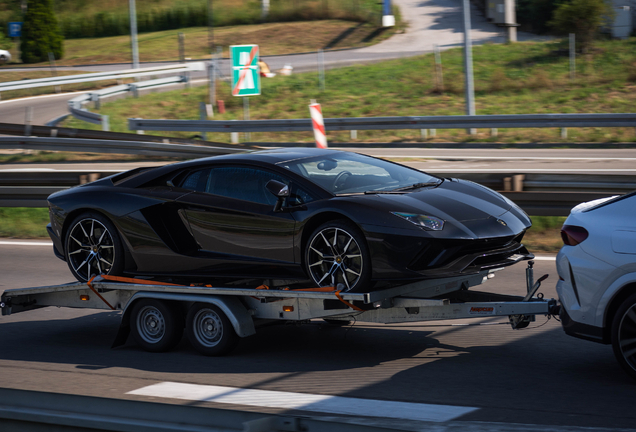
x,y
133,34
468,64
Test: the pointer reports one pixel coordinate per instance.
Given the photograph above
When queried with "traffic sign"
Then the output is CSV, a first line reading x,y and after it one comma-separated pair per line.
x,y
246,77
15,29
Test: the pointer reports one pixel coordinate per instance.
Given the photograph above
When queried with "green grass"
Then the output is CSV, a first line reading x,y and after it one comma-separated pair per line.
x,y
92,18
22,222
521,78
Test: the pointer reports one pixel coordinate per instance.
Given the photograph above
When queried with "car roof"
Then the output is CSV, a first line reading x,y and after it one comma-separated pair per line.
x,y
273,156
266,157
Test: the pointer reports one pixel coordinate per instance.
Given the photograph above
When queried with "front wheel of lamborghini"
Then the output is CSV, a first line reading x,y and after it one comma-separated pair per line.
x,y
93,247
337,253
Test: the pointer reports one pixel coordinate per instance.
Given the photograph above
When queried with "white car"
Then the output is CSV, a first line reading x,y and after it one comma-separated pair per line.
x,y
597,275
5,56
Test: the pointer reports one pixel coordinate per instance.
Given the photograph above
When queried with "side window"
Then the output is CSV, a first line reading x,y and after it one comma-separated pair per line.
x,y
244,183
197,180
299,196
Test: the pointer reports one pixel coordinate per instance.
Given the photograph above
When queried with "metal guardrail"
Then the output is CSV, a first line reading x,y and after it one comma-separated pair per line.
x,y
75,105
27,411
101,76
117,147
47,131
383,123
542,194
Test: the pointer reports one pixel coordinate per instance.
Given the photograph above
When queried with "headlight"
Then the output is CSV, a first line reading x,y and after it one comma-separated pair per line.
x,y
427,222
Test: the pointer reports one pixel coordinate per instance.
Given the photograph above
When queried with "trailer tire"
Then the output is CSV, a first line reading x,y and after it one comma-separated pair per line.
x,y
209,330
156,325
624,335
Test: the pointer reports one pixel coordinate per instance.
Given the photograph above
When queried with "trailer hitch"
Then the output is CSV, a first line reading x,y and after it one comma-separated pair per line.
x,y
522,321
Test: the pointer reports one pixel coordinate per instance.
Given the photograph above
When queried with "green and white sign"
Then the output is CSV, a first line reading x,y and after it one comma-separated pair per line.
x,y
246,77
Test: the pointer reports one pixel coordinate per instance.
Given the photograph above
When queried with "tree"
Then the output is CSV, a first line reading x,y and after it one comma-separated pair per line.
x,y
40,33
5,42
584,18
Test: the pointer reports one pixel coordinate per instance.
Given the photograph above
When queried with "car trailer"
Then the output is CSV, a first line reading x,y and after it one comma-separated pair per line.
x,y
215,318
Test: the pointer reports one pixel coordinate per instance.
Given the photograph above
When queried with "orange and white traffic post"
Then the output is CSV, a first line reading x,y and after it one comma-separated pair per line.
x,y
318,125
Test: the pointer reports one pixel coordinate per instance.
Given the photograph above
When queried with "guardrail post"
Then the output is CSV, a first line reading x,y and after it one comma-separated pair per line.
x,y
28,119
203,115
354,134
234,137
105,123
432,132
134,90
494,132
564,133
96,101
424,133
517,182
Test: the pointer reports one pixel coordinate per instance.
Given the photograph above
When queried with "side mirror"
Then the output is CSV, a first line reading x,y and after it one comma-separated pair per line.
x,y
280,191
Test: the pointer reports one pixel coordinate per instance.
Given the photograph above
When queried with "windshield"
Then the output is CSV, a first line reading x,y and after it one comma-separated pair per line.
x,y
346,173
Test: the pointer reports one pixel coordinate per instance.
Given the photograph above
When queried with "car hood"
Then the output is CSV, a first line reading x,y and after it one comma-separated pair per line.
x,y
469,210
458,200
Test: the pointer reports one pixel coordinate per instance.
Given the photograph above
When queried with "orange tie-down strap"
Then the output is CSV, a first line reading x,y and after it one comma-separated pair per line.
x,y
265,287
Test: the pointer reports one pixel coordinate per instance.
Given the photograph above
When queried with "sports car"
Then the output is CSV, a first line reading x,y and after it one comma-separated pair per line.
x,y
332,217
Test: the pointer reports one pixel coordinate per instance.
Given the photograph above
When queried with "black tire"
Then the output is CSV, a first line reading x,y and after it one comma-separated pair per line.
x,y
209,330
624,335
348,262
156,325
92,246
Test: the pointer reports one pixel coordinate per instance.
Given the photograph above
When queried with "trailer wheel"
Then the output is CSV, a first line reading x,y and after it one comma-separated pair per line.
x,y
209,330
624,335
156,326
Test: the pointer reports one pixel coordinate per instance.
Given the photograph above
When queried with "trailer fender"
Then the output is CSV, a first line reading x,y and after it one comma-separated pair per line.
x,y
232,307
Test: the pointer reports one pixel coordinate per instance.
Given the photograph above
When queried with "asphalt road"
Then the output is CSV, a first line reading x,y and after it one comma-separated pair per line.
x,y
537,376
554,161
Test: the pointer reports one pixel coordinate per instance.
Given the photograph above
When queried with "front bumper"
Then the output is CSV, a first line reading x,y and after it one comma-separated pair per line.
x,y
57,243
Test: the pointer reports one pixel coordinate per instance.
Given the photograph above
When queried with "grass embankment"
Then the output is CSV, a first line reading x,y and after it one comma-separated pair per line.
x,y
521,78
93,18
272,38
27,223
22,222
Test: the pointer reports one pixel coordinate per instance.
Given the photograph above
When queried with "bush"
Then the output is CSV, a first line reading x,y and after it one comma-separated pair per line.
x,y
584,18
534,15
40,33
5,42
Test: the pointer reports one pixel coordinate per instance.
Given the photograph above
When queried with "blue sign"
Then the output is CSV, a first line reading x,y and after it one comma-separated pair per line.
x,y
15,29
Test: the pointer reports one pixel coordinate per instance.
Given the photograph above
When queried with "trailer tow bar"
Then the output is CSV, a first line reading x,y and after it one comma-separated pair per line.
x,y
522,321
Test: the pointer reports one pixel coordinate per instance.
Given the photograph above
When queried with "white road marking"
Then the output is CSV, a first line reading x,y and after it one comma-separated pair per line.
x,y
24,243
306,402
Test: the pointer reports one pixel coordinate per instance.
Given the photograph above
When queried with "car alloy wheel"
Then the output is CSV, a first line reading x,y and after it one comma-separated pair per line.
x,y
337,255
90,249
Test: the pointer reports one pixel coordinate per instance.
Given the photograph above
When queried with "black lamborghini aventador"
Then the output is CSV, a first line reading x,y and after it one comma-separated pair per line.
x,y
330,216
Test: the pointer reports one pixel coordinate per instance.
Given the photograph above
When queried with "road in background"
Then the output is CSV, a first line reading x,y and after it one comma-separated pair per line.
x,y
576,160
535,376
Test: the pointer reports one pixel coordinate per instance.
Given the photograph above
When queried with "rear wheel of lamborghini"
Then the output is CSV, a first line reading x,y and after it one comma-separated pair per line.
x,y
337,254
93,247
